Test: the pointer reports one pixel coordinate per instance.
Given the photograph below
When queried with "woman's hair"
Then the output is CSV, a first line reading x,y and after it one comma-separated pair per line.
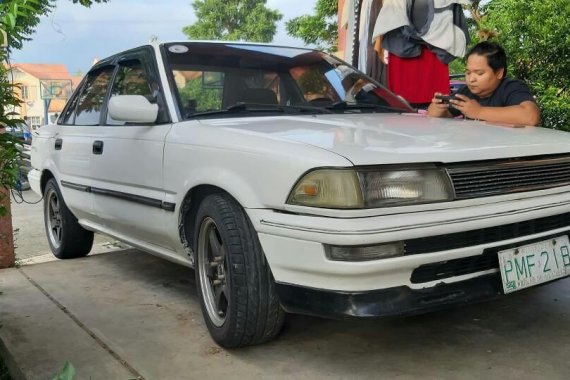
x,y
495,54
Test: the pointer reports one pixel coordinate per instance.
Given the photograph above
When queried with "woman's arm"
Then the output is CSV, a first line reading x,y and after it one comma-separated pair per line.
x,y
526,113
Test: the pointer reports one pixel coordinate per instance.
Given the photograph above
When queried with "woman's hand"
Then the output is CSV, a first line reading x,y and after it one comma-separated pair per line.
x,y
468,107
438,108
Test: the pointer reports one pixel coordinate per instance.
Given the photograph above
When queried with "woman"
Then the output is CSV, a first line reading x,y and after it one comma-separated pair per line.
x,y
489,95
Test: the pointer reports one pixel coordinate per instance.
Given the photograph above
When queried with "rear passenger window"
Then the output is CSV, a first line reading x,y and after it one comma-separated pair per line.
x,y
90,101
131,79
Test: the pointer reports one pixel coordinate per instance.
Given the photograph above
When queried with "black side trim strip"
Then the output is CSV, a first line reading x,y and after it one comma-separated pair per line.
x,y
167,206
128,197
75,186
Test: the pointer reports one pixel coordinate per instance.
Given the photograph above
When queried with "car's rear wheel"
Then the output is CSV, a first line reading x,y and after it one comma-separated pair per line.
x,y
235,285
67,239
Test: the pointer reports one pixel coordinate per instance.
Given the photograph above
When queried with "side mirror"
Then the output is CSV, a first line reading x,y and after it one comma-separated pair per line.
x,y
132,109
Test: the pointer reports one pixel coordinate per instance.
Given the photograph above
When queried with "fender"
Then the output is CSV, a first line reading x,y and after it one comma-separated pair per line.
x,y
228,180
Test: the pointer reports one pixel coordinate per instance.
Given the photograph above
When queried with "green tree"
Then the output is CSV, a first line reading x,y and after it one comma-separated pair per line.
x,y
18,18
206,98
233,20
536,37
320,29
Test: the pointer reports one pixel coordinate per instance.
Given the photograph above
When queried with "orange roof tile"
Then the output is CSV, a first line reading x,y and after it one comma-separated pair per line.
x,y
44,70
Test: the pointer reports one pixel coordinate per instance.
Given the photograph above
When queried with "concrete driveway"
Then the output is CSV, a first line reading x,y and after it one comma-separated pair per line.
x,y
126,314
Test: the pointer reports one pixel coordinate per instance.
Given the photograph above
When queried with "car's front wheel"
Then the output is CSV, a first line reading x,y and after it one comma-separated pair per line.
x,y
67,239
235,285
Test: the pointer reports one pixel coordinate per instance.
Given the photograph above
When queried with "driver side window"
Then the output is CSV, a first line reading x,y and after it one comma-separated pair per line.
x,y
131,79
85,108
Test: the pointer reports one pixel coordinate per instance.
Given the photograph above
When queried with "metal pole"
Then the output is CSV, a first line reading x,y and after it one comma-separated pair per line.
x,y
46,107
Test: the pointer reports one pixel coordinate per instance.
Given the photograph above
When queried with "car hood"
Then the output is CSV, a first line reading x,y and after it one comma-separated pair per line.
x,y
391,138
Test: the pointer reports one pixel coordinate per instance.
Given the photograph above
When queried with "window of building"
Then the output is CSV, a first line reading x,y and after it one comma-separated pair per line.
x,y
25,95
34,122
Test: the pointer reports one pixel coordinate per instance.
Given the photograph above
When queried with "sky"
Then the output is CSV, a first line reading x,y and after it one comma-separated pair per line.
x,y
75,36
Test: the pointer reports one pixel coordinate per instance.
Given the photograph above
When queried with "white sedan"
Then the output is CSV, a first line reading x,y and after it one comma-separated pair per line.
x,y
292,182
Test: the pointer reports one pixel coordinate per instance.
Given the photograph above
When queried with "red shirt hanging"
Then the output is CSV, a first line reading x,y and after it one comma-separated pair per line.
x,y
418,78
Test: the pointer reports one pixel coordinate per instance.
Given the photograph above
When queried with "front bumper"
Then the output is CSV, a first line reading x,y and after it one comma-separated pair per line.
x,y
397,301
294,244
34,178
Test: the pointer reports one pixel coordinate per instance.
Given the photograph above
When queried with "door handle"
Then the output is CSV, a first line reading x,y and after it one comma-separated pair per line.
x,y
98,147
58,144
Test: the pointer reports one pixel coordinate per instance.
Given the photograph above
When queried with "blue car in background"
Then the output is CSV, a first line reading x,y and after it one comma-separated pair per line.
x,y
21,131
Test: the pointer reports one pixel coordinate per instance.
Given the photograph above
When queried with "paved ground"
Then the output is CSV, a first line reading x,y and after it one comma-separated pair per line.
x,y
126,314
29,233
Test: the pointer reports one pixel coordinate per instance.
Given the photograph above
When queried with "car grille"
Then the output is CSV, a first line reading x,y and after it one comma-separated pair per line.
x,y
485,235
488,260
453,268
509,176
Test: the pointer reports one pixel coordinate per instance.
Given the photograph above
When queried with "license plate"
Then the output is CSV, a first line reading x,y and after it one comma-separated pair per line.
x,y
534,264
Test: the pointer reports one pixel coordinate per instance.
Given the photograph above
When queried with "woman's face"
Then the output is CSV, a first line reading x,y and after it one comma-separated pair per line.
x,y
480,77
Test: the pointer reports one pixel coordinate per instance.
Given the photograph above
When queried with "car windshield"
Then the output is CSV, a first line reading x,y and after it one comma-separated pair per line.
x,y
227,79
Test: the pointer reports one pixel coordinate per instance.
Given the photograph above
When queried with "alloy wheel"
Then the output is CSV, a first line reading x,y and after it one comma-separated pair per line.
x,y
54,218
213,272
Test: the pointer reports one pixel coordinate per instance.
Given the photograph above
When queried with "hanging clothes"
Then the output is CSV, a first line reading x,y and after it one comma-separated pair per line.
x,y
422,36
348,22
364,34
408,24
418,78
370,56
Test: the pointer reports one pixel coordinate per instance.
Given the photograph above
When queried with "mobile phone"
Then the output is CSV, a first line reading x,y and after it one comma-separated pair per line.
x,y
445,98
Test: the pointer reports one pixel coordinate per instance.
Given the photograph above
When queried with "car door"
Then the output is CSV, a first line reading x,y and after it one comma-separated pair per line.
x,y
126,166
73,140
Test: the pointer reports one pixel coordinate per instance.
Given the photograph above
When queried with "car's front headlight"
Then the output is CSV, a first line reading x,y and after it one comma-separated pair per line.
x,y
328,188
371,188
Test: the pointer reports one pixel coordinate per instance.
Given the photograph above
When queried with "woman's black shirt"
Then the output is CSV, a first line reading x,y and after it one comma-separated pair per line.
x,y
511,92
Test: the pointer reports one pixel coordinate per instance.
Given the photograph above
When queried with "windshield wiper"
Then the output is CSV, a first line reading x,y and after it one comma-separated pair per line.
x,y
344,105
303,107
251,107
234,108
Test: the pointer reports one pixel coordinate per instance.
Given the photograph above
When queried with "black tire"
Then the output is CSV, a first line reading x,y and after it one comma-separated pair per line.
x,y
66,238
235,285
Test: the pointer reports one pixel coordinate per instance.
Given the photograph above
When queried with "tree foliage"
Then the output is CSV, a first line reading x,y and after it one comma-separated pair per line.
x,y
320,29
206,98
233,20
536,37
18,18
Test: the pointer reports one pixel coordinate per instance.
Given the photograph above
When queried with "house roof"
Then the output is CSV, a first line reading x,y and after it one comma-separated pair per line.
x,y
44,70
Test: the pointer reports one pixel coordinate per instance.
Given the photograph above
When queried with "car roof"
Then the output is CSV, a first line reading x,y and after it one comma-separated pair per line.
x,y
158,45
